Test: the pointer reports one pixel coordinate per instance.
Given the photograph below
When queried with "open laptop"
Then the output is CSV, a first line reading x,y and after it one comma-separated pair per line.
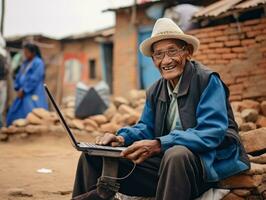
x,y
89,148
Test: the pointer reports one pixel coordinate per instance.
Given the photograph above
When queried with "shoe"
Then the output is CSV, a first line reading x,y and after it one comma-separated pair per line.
x,y
93,195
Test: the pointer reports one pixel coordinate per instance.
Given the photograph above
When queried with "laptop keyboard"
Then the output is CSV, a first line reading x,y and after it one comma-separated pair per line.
x,y
100,147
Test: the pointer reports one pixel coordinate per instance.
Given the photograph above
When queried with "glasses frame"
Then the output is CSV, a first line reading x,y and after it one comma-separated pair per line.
x,y
178,51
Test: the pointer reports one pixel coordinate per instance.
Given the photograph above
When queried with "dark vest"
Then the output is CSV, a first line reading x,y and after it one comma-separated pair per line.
x,y
194,81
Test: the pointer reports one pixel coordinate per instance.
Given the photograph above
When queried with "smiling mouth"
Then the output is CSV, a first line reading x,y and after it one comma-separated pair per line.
x,y
168,67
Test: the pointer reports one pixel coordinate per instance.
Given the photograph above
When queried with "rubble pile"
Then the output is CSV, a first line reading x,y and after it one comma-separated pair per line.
x,y
250,116
121,112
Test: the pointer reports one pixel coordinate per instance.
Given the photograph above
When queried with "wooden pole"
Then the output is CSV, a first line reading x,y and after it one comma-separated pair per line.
x,y
2,17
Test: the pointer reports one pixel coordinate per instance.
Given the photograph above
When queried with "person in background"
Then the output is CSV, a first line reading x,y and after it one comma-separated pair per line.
x,y
3,87
28,85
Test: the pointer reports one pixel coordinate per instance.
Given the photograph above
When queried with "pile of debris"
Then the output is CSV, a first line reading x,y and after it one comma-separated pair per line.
x,y
121,112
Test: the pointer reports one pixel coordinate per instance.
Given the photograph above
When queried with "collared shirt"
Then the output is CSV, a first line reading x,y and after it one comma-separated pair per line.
x,y
173,119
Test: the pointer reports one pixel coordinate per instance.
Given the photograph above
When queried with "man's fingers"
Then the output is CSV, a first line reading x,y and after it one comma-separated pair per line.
x,y
130,150
97,140
142,158
135,155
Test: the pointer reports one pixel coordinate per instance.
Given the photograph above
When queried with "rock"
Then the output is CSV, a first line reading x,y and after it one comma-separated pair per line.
x,y
41,113
135,95
125,109
33,119
261,121
261,159
19,192
69,113
78,124
249,104
99,119
117,118
3,137
249,115
90,128
110,128
91,123
13,130
120,101
241,192
36,129
56,129
263,107
239,120
140,108
241,181
254,140
256,169
110,112
20,123
247,126
128,119
236,106
232,196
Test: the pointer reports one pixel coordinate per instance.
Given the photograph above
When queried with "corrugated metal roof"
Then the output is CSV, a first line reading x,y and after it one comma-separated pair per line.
x,y
226,6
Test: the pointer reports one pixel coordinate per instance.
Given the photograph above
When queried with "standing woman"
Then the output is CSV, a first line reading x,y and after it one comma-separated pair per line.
x,y
28,85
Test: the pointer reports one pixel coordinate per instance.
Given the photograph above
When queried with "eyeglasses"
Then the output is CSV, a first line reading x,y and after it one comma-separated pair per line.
x,y
159,55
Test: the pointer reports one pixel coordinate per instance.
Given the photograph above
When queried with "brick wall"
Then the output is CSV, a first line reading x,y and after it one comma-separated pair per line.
x,y
238,53
125,71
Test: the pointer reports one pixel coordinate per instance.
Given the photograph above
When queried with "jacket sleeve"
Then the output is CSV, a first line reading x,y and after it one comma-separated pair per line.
x,y
142,130
33,76
212,122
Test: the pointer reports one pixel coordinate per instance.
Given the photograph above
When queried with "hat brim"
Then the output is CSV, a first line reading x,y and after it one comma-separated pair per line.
x,y
145,46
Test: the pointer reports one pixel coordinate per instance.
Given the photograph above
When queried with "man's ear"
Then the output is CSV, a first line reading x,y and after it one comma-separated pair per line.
x,y
189,49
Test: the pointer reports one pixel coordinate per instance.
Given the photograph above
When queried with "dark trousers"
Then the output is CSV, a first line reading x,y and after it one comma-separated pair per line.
x,y
175,175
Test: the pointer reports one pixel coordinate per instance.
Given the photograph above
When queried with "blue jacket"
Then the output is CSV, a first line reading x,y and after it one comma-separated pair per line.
x,y
209,129
30,79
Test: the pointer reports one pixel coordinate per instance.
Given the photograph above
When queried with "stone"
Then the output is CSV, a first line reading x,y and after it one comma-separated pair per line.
x,y
256,169
99,119
3,137
78,124
249,115
41,113
239,120
236,106
91,123
232,196
241,181
263,107
69,113
90,128
13,130
36,129
241,192
56,129
117,118
254,140
19,192
135,95
261,159
110,128
125,109
120,101
249,104
128,119
33,119
247,126
20,122
140,108
110,112
261,121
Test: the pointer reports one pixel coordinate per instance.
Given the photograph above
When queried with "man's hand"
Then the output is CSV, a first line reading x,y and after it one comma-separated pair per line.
x,y
110,139
141,150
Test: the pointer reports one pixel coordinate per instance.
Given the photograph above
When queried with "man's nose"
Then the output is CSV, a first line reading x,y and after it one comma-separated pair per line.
x,y
166,59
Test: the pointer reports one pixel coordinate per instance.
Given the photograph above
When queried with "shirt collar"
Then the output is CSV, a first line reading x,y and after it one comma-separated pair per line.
x,y
175,90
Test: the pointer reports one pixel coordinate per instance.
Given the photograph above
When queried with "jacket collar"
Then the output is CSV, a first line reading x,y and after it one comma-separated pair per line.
x,y
184,84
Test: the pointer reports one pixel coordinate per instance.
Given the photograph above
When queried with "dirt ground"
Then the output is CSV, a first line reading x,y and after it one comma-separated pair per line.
x,y
21,158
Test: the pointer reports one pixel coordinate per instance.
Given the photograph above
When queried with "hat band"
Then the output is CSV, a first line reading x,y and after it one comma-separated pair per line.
x,y
168,32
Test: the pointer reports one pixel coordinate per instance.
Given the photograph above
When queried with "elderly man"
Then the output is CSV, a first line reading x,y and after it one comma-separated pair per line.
x,y
186,139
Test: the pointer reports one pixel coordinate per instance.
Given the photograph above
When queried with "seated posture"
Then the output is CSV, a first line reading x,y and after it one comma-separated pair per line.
x,y
186,140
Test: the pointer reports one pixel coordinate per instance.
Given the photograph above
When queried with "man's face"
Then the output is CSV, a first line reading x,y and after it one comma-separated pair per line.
x,y
170,58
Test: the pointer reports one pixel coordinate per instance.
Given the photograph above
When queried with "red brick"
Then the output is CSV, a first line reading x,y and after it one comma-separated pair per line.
x,y
236,36
259,27
202,35
251,22
231,31
221,38
215,33
216,44
207,40
213,56
242,55
223,50
201,56
236,89
238,49
229,55
221,61
247,28
248,42
235,97
241,79
253,33
260,38
232,43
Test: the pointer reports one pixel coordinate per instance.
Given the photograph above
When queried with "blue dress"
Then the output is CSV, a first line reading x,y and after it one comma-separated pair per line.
x,y
30,79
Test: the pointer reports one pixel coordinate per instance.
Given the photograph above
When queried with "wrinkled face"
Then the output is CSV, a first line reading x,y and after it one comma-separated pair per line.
x,y
169,56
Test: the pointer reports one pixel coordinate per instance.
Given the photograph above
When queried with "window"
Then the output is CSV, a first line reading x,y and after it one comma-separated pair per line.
x,y
92,69
73,69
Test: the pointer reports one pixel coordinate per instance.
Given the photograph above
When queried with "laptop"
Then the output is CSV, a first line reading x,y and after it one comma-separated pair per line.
x,y
89,148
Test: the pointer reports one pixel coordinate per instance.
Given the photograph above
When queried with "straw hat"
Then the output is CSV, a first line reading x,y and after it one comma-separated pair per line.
x,y
165,28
